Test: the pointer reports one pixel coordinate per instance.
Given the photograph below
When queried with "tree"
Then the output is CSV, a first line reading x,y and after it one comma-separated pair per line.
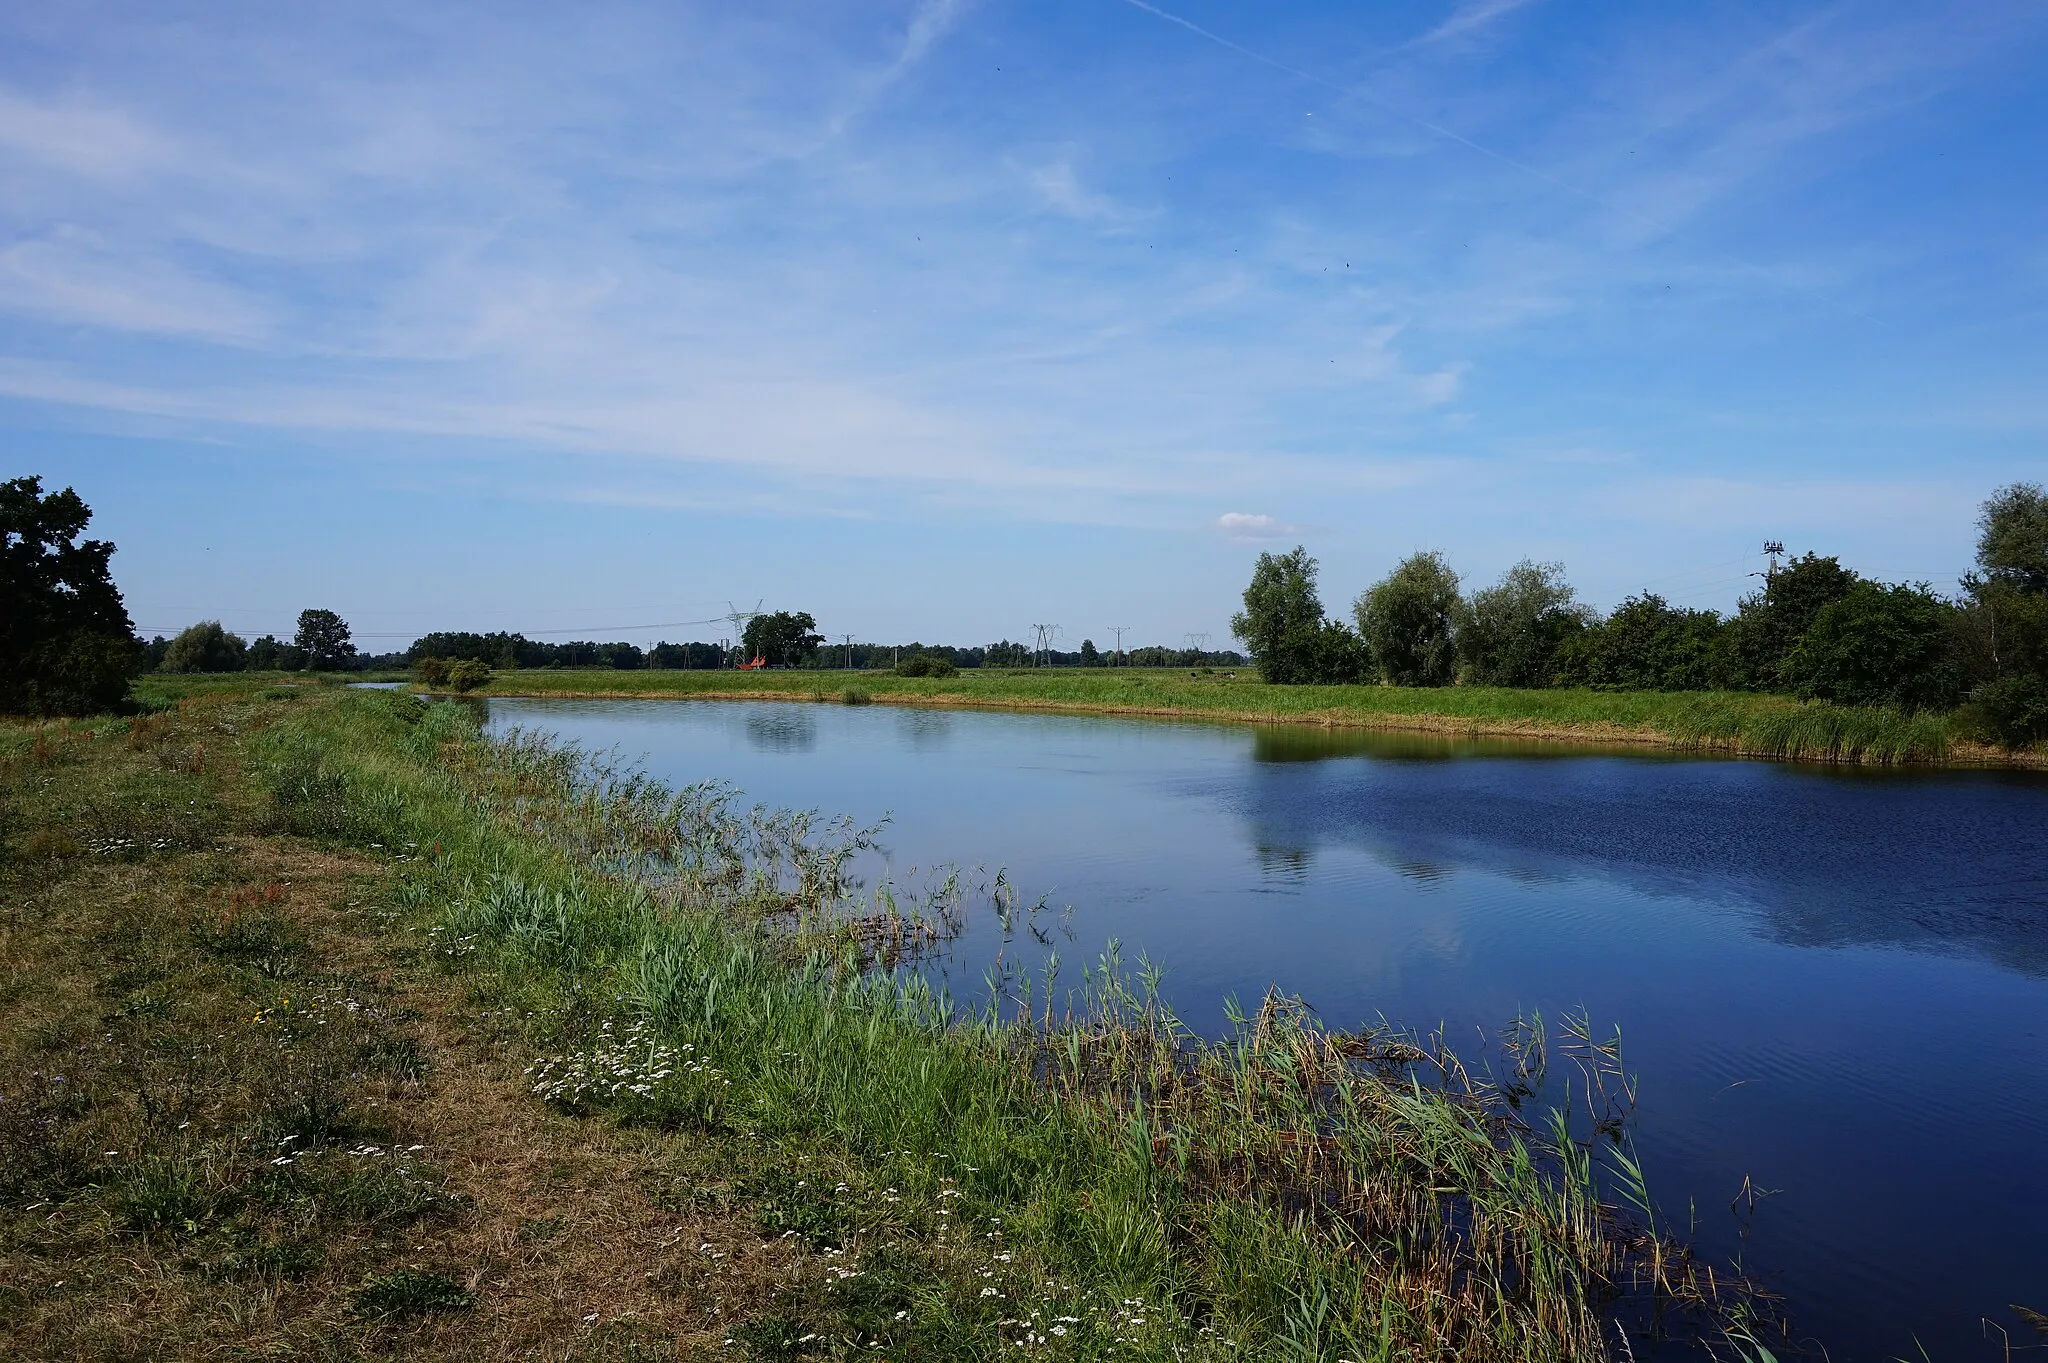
x,y
206,647
1409,620
1768,624
66,643
1282,617
1646,645
430,672
784,638
467,674
323,639
1090,655
1879,645
1006,654
265,654
1513,629
2012,538
1335,656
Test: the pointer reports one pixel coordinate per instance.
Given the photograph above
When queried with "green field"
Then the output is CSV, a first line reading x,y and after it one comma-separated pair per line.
x,y
331,1027
1734,722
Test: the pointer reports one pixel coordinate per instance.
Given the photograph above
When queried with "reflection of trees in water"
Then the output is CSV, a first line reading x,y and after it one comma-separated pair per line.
x,y
1312,743
1423,872
1930,862
1288,862
792,730
928,729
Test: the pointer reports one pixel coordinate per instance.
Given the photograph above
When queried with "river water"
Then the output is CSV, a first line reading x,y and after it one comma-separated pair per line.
x,y
1832,983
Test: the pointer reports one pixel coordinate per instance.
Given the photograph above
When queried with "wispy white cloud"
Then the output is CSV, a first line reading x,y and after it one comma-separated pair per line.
x,y
72,277
1469,19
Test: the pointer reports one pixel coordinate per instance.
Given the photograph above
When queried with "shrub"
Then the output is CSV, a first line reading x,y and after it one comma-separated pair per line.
x,y
926,665
1769,624
431,672
468,674
206,647
1878,645
1645,645
2014,710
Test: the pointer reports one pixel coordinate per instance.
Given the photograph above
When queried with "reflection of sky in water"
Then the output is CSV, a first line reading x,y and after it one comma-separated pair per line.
x,y
1834,982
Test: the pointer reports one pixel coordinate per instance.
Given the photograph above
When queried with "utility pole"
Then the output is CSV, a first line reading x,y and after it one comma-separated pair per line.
x,y
849,653
1196,644
1773,548
1118,631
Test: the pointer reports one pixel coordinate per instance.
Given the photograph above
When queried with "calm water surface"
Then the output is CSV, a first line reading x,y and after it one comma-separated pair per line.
x,y
1834,983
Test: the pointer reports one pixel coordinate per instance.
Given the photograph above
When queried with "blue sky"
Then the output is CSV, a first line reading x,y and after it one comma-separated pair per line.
x,y
941,318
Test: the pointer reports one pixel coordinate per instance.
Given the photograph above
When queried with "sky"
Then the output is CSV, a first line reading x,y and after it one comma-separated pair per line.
x,y
941,318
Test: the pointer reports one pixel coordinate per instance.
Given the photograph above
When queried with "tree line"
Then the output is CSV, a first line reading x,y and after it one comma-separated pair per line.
x,y
1814,629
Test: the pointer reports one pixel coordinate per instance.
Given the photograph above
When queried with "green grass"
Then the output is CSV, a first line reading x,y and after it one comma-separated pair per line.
x,y
1289,1192
1057,1170
1734,722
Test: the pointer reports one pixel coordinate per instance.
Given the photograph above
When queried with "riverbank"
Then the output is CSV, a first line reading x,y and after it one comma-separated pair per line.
x,y
1738,723
331,1026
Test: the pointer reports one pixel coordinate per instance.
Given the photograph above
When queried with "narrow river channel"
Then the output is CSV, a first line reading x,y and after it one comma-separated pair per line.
x,y
1832,983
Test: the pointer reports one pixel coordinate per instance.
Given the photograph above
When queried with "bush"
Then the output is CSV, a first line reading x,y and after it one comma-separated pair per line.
x,y
1878,645
926,665
468,675
1645,645
2014,710
431,672
206,647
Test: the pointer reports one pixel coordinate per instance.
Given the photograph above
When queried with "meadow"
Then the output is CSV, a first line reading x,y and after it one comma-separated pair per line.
x,y
333,1028
1736,722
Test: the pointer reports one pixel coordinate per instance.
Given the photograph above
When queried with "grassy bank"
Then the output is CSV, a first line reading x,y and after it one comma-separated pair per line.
x,y
332,1028
1734,722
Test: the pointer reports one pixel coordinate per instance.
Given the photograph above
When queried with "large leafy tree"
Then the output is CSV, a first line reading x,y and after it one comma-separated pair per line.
x,y
1409,619
2006,625
1512,629
783,638
323,641
66,643
1770,623
206,647
1282,623
2012,538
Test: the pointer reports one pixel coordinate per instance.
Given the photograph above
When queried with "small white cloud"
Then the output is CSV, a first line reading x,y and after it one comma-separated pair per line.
x,y
1251,526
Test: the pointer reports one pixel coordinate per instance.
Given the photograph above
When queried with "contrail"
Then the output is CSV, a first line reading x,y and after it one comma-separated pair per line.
x,y
1436,129
1449,135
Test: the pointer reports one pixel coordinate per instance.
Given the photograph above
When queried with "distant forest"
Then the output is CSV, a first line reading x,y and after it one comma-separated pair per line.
x,y
502,650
